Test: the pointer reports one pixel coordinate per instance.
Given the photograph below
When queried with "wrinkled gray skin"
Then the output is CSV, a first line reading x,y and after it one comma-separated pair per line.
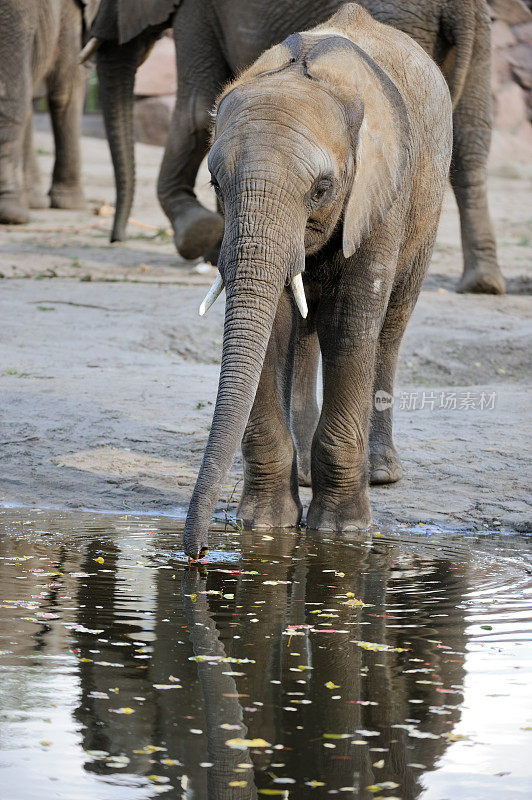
x,y
216,39
354,203
40,41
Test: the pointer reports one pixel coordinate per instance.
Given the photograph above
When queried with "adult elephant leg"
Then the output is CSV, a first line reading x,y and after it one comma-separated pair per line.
x,y
32,175
201,74
349,321
15,102
270,496
385,464
471,141
305,410
66,93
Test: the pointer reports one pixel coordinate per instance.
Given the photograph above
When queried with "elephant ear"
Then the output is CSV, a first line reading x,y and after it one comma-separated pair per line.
x,y
378,121
123,20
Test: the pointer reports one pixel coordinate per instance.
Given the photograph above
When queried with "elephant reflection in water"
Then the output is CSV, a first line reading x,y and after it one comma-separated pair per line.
x,y
334,684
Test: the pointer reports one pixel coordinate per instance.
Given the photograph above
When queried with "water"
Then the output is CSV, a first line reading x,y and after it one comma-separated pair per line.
x,y
392,665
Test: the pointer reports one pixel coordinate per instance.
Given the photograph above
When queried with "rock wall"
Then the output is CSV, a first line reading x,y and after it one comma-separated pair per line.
x,y
155,84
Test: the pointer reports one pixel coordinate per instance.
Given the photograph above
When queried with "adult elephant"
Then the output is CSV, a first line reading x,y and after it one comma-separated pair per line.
x,y
215,39
40,41
344,213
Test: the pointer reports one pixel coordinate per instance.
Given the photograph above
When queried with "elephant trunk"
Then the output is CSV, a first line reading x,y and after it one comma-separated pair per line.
x,y
116,66
254,275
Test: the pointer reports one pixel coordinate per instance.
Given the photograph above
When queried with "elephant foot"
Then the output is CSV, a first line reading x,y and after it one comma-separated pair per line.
x,y
385,465
278,511
67,197
13,212
482,279
197,231
355,516
37,199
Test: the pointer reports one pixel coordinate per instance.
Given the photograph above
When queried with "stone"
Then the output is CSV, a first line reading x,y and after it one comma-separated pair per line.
x,y
158,76
514,12
523,33
501,35
152,117
500,70
520,60
510,107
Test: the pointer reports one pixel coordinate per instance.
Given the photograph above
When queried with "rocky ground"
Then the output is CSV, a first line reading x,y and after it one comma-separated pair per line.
x,y
107,374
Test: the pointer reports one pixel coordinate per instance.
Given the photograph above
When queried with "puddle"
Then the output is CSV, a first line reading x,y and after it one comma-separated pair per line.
x,y
396,665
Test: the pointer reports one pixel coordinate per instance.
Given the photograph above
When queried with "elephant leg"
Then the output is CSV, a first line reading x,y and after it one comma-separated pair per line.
x,y
348,324
13,207
66,95
196,229
32,176
15,103
385,464
270,496
305,409
471,141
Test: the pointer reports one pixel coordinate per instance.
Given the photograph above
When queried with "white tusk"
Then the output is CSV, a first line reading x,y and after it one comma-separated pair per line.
x,y
299,295
89,50
211,296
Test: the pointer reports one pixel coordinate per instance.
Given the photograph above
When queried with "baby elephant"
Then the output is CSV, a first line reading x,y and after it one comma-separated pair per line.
x,y
330,158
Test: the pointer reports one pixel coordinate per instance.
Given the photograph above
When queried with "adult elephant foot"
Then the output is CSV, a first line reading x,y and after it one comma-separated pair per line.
x,y
197,231
13,212
67,197
385,465
354,516
482,279
37,199
278,511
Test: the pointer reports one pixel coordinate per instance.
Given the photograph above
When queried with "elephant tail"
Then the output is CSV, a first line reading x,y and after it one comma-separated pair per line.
x,y
460,23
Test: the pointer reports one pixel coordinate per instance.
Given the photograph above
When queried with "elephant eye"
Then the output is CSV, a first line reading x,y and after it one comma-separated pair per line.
x,y
320,190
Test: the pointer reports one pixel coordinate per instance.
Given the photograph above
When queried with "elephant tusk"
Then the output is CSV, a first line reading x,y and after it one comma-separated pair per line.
x,y
211,296
89,50
299,295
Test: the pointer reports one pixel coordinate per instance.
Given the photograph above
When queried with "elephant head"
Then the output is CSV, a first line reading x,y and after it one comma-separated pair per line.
x,y
307,152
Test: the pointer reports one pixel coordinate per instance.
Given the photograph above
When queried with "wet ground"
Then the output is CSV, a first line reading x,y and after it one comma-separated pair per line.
x,y
395,664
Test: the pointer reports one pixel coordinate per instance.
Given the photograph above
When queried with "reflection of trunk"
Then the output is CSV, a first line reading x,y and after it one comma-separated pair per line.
x,y
254,276
116,75
220,700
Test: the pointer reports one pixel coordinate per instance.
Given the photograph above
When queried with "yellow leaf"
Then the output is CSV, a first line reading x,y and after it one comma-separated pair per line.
x,y
242,744
331,685
100,560
238,783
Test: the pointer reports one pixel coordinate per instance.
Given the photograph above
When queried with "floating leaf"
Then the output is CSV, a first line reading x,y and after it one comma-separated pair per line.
x,y
124,710
158,778
376,787
165,686
243,744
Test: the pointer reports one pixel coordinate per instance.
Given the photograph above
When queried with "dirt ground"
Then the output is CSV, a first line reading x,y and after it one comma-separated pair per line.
x,y
108,375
